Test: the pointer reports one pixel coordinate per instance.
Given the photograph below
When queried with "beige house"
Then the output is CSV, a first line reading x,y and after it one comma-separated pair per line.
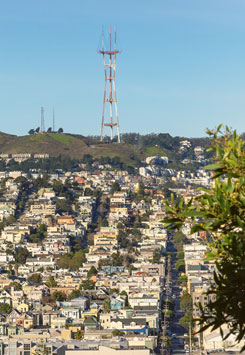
x,y
43,209
22,307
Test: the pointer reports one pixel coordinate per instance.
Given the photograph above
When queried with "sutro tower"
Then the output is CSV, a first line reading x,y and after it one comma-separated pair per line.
x,y
111,99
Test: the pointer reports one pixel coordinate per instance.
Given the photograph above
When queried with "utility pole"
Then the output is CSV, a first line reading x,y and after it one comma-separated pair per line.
x,y
190,334
110,71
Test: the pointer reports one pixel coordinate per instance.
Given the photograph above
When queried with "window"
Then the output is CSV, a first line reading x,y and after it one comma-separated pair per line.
x,y
27,347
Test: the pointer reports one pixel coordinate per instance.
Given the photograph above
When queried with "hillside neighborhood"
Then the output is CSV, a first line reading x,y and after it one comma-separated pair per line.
x,y
86,263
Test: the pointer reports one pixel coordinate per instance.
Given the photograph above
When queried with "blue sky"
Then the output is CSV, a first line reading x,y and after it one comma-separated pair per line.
x,y
181,70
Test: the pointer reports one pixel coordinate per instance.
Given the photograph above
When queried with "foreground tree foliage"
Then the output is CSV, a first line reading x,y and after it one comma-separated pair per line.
x,y
220,211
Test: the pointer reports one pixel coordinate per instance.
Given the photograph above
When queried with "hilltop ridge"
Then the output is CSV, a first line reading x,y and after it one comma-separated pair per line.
x,y
134,148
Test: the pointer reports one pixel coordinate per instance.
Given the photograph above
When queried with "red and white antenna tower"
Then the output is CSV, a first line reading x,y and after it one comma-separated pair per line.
x,y
111,99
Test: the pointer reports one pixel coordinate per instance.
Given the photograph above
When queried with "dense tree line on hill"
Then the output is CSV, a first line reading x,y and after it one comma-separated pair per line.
x,y
163,140
65,163
49,165
49,130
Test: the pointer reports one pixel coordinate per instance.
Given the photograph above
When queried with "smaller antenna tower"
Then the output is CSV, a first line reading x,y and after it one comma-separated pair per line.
x,y
42,120
53,121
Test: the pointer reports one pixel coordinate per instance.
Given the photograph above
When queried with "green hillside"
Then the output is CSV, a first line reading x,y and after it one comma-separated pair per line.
x,y
50,143
6,140
66,145
134,149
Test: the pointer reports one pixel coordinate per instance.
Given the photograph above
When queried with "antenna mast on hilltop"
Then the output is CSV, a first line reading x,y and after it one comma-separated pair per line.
x,y
111,99
42,120
53,120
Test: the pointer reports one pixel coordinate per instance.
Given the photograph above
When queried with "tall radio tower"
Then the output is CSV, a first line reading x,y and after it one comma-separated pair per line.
x,y
42,120
111,99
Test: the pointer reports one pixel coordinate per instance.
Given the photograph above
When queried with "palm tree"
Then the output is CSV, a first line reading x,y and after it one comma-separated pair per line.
x,y
10,267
